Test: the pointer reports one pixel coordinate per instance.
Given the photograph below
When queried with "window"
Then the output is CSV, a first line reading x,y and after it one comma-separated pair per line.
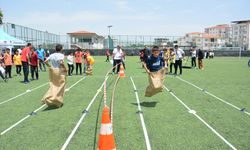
x,y
84,40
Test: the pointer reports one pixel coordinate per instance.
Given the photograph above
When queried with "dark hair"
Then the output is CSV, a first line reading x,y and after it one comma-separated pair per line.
x,y
32,48
28,44
171,49
58,47
7,49
78,49
155,48
176,46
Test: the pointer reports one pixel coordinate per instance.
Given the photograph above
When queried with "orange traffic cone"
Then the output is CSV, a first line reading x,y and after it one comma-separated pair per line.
x,y
122,73
106,137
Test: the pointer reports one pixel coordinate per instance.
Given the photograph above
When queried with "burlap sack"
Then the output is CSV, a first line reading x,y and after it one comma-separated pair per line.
x,y
155,82
55,94
89,70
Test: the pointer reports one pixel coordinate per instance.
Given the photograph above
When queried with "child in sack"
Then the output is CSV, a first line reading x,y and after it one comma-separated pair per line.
x,y
156,67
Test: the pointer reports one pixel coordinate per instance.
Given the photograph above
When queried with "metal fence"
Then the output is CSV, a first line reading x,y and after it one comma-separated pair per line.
x,y
36,37
48,40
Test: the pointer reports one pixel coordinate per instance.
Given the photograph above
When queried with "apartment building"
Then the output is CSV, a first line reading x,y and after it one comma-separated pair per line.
x,y
241,34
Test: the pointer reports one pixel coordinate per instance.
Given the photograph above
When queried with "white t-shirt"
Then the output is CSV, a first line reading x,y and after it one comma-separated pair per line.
x,y
70,59
2,70
55,59
178,54
194,53
117,54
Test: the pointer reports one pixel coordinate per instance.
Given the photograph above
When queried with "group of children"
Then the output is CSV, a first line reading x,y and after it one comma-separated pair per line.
x,y
87,61
7,61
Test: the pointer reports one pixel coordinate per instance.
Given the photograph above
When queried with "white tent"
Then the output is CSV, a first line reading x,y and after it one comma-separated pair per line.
x,y
7,40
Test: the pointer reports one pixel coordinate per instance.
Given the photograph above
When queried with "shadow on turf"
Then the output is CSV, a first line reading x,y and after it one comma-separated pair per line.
x,y
51,108
146,104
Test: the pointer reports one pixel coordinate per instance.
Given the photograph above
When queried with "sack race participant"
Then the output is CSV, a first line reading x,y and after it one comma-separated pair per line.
x,y
90,62
57,77
156,68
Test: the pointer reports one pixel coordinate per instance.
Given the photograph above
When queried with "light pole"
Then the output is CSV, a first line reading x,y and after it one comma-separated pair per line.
x,y
109,26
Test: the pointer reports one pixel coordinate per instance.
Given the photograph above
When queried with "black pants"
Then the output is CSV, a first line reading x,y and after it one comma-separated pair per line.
x,y
193,62
18,69
1,75
8,71
78,65
107,59
118,66
70,69
25,71
178,63
42,65
34,70
123,63
171,66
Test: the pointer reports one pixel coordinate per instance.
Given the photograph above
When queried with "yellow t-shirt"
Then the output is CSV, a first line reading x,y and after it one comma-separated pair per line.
x,y
17,60
90,60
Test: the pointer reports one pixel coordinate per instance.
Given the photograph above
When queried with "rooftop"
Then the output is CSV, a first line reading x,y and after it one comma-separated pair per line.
x,y
241,21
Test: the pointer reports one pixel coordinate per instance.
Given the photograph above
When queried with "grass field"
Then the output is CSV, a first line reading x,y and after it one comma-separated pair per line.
x,y
169,124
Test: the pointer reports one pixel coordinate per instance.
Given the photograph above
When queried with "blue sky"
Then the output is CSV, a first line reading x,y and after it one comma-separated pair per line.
x,y
128,17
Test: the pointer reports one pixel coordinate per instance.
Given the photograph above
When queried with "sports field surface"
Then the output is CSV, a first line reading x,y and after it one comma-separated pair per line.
x,y
202,109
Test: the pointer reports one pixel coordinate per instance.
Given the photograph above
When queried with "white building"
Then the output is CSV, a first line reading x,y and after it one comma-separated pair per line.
x,y
202,40
241,34
86,40
223,31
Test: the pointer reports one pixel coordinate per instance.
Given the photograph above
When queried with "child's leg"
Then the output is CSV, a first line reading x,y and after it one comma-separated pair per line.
x,y
69,71
36,70
17,69
1,74
32,72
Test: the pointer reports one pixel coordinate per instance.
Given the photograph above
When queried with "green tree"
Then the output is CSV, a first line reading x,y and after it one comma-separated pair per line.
x,y
1,17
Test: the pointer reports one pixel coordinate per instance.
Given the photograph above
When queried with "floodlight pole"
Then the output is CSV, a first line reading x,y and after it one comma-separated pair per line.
x,y
109,26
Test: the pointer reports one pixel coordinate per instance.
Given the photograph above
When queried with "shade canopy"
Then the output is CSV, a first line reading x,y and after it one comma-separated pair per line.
x,y
7,40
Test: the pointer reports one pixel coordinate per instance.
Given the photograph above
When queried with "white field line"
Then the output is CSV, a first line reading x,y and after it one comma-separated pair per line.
x,y
20,121
82,117
213,95
141,117
194,113
27,91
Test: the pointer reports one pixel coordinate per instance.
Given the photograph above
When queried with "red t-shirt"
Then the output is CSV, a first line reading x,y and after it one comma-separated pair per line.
x,y
78,56
25,51
33,59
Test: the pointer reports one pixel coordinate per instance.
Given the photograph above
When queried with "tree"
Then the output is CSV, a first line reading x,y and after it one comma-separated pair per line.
x,y
1,17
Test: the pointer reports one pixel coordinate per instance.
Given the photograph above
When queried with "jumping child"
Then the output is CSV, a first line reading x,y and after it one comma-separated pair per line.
x,y
155,66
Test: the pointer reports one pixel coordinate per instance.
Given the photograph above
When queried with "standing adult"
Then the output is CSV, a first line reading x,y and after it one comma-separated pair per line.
x,y
179,55
200,59
26,61
78,60
117,58
41,56
193,53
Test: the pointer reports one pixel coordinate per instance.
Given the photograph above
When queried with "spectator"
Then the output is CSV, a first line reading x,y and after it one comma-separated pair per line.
x,y
7,63
26,61
179,55
200,59
107,54
78,60
17,62
193,54
41,56
34,62
117,58
70,59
